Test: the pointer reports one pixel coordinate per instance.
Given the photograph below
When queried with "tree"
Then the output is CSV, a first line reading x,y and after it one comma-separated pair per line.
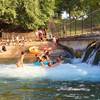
x,y
7,10
76,8
30,14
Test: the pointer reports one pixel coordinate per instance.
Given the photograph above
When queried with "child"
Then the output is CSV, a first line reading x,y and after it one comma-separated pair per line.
x,y
20,61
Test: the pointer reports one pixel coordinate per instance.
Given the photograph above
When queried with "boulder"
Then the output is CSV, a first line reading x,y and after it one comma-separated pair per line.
x,y
91,49
69,52
88,51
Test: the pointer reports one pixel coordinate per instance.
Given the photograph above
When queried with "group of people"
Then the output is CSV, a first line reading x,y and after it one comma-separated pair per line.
x,y
45,60
41,60
41,34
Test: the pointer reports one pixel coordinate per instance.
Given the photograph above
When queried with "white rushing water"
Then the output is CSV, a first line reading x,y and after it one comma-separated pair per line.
x,y
63,72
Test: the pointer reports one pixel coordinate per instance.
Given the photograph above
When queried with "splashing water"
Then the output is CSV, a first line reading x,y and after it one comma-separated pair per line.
x,y
28,71
70,72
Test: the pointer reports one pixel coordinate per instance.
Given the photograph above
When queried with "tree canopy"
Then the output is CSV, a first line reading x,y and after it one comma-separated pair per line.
x,y
77,7
30,14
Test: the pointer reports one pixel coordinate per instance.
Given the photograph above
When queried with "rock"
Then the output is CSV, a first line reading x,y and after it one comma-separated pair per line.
x,y
69,52
97,58
89,50
93,49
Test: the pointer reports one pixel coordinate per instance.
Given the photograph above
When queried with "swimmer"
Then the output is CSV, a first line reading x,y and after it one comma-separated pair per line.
x,y
59,59
20,61
50,64
39,62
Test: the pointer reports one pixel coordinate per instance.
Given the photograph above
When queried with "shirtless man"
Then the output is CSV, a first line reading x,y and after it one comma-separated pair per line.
x,y
20,61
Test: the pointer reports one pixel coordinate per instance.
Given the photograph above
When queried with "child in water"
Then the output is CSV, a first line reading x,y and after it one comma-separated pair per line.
x,y
20,61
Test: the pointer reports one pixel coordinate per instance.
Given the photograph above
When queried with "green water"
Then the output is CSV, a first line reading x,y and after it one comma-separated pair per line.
x,y
40,89
48,90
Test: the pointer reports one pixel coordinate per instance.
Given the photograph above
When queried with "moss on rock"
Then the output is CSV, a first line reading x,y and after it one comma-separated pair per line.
x,y
78,53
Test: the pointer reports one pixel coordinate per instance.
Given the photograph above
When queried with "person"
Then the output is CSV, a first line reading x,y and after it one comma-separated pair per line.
x,y
50,64
47,55
39,62
59,60
54,40
43,59
40,33
4,48
20,61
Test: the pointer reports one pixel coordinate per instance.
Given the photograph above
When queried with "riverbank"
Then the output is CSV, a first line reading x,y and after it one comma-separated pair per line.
x,y
13,51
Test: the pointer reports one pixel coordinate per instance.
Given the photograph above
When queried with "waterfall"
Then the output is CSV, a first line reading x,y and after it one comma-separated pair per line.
x,y
91,57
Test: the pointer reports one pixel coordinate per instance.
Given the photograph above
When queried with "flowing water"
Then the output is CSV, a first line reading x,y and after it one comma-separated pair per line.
x,y
76,81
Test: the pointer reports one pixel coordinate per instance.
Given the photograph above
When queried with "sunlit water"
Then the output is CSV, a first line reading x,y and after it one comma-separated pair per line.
x,y
76,81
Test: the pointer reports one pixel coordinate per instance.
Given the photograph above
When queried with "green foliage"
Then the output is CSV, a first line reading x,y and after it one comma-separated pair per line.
x,y
77,8
7,10
30,14
47,9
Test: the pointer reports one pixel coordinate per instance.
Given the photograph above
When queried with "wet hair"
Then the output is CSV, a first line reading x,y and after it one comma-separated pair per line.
x,y
44,57
38,59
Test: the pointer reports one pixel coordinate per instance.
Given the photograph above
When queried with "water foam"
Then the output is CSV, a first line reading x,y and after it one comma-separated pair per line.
x,y
28,71
76,71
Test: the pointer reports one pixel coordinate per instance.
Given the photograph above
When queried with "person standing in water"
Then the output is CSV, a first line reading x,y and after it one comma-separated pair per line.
x,y
20,61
